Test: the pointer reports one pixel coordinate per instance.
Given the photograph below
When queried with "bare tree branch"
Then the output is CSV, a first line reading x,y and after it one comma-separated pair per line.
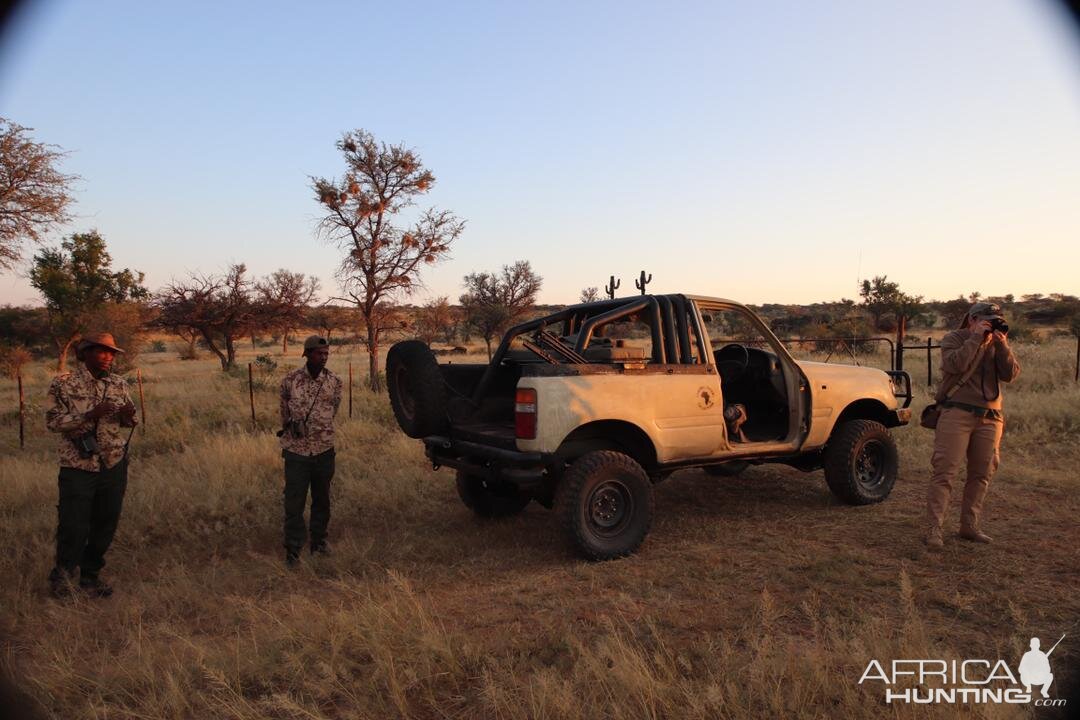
x,y
382,261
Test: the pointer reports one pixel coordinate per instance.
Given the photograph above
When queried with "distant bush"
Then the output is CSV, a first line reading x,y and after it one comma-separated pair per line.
x,y
158,346
1020,330
265,364
12,358
263,368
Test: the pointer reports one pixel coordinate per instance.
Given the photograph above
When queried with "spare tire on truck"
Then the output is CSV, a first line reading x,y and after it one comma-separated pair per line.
x,y
417,393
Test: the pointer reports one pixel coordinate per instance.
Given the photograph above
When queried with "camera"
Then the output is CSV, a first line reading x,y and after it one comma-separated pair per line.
x,y
999,325
86,445
295,429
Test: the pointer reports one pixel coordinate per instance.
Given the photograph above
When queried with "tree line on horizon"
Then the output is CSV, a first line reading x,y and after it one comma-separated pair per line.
x,y
382,260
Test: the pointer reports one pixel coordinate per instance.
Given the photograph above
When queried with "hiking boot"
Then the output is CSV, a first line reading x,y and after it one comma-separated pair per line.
x,y
95,587
321,549
292,557
61,584
975,535
934,540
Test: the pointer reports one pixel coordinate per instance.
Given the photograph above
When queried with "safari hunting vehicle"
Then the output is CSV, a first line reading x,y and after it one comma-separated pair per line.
x,y
585,409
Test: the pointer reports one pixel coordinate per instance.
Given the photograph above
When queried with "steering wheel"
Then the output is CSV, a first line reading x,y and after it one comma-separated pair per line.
x,y
732,361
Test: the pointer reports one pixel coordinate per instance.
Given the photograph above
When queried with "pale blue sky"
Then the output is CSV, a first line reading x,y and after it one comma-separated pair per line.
x,y
767,152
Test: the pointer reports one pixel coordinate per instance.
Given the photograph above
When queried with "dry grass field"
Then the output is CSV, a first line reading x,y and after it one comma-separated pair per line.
x,y
757,596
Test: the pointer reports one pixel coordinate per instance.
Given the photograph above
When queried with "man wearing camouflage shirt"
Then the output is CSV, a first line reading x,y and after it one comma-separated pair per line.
x,y
310,397
91,410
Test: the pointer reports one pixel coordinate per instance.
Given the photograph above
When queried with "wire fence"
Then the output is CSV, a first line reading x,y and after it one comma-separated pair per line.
x,y
142,400
834,346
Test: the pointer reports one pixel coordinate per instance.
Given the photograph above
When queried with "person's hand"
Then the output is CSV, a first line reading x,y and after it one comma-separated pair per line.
x,y
102,409
981,327
127,411
1001,338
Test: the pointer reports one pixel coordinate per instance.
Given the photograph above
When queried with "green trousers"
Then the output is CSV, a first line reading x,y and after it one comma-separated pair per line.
x,y
302,473
88,513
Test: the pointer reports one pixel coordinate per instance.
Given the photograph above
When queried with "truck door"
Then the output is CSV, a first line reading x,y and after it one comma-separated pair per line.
x,y
758,376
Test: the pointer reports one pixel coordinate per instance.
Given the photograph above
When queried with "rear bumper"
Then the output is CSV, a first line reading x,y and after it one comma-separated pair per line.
x,y
493,463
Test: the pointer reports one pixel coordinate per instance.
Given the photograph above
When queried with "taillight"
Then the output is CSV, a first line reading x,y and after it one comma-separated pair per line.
x,y
525,413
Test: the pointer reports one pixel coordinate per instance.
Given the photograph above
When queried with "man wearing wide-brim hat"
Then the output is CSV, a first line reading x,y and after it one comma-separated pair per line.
x,y
310,397
92,412
975,360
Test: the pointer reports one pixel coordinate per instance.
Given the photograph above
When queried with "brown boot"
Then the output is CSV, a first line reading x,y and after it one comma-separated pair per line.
x,y
934,540
975,535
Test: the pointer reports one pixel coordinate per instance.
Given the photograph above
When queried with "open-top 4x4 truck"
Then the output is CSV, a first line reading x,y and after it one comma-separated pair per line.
x,y
585,409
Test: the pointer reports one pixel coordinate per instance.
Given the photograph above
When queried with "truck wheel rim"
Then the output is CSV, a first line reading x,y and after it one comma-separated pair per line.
x,y
610,508
870,464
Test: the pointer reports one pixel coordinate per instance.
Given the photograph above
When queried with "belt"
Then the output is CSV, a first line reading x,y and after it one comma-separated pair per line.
x,y
974,410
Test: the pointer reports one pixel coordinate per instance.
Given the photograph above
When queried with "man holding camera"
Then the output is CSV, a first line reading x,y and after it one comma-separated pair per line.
x,y
310,397
975,360
93,413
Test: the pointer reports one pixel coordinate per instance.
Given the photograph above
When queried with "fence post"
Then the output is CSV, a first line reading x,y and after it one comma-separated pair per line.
x,y
142,400
22,413
350,391
929,364
1076,375
251,394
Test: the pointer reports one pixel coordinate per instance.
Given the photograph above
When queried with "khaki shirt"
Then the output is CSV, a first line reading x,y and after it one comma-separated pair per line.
x,y
300,393
983,388
71,396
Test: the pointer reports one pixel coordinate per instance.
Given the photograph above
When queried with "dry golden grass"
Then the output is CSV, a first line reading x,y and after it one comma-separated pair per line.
x,y
758,596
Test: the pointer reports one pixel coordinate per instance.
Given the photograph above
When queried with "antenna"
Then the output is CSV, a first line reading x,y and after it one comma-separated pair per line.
x,y
858,274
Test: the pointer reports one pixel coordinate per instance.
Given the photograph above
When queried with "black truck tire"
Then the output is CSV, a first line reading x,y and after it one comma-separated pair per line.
x,y
605,504
728,469
861,462
417,393
489,501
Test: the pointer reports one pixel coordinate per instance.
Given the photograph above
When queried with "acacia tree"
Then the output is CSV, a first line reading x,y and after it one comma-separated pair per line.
x,y
492,302
34,194
81,289
328,318
221,309
883,297
434,319
590,294
382,259
284,297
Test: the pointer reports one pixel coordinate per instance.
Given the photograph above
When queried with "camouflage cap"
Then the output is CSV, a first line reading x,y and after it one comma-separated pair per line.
x,y
985,310
314,342
104,340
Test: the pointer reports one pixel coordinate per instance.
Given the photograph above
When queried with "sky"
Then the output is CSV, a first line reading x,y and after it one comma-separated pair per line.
x,y
763,152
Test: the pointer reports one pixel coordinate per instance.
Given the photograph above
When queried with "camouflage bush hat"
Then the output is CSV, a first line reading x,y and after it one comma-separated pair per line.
x,y
314,342
104,340
985,311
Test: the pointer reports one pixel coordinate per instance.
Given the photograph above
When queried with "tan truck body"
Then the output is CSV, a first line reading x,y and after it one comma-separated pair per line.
x,y
683,414
584,416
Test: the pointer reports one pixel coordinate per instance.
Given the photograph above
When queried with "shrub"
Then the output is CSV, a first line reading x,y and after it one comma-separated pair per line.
x,y
158,346
12,358
265,364
190,352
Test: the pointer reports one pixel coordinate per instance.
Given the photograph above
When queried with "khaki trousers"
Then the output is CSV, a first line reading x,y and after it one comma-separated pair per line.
x,y
962,435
